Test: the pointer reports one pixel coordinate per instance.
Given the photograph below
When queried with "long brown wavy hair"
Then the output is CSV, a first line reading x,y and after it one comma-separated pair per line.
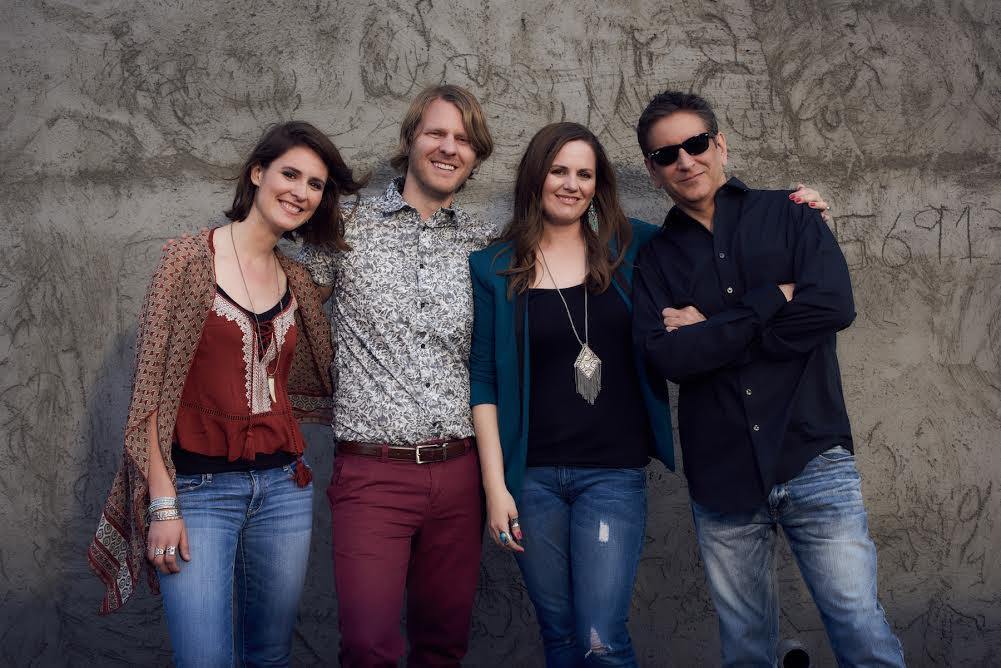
x,y
524,232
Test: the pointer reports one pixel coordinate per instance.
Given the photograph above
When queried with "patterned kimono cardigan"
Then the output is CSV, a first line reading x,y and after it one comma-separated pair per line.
x,y
170,326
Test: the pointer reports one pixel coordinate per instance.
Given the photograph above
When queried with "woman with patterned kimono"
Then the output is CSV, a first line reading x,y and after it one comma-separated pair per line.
x,y
213,494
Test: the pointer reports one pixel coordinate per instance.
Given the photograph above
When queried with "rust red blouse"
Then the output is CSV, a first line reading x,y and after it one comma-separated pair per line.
x,y
226,409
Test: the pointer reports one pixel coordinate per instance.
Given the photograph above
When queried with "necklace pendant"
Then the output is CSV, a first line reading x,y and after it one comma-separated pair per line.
x,y
587,373
271,388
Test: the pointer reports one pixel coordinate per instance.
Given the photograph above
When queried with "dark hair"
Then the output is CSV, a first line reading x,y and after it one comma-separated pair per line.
x,y
473,119
667,103
526,226
326,226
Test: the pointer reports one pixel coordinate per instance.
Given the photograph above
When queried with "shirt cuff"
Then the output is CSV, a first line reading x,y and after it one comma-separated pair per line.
x,y
482,393
764,301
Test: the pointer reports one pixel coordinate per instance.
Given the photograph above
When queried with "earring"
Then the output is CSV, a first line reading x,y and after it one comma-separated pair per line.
x,y
592,218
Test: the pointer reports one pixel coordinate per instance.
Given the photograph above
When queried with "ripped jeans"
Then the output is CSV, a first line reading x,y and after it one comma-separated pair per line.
x,y
822,515
583,534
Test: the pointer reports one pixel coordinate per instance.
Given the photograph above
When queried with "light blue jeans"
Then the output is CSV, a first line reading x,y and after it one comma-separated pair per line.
x,y
824,520
248,529
584,531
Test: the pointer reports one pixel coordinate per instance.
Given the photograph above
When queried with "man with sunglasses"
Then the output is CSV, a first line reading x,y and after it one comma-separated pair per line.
x,y
739,300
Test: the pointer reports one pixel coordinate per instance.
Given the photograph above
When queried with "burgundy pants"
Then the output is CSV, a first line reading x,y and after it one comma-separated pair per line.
x,y
401,526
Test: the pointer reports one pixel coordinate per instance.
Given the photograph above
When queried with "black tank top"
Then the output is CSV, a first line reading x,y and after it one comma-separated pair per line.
x,y
564,430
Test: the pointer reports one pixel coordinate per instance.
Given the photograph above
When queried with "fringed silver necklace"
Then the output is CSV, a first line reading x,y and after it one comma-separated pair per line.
x,y
587,367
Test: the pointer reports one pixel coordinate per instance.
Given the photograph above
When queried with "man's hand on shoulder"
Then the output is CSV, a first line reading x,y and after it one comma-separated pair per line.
x,y
679,317
170,242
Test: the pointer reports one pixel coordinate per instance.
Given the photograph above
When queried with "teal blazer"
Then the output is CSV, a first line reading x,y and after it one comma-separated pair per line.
x,y
498,365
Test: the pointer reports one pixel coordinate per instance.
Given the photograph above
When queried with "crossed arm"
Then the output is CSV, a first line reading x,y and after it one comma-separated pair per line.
x,y
689,315
776,322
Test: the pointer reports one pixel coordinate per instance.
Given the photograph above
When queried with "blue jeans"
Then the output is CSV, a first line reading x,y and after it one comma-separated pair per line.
x,y
251,529
583,534
824,520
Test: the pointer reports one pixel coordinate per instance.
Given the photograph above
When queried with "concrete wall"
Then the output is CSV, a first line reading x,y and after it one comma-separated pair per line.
x,y
120,122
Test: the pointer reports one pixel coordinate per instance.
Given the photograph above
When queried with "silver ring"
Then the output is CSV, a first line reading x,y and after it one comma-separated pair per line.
x,y
158,552
504,538
514,523
171,551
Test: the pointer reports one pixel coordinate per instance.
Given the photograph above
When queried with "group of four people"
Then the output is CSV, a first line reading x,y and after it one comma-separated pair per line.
x,y
576,316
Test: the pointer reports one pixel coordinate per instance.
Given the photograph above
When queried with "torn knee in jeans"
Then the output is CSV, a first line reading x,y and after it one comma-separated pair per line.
x,y
597,647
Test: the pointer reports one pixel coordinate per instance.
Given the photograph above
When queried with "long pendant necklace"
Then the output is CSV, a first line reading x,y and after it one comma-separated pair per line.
x,y
253,312
587,366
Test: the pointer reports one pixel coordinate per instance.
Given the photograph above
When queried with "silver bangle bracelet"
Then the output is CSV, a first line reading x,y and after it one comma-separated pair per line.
x,y
161,502
165,514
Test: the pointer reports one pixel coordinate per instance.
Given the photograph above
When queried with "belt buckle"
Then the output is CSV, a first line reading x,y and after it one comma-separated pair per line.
x,y
430,445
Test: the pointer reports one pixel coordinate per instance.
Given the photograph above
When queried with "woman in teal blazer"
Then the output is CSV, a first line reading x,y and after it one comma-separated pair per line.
x,y
563,438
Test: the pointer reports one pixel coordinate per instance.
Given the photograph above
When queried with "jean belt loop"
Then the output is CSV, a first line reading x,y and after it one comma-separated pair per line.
x,y
385,453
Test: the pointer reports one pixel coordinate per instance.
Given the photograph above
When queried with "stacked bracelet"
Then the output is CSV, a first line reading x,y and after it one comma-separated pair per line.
x,y
165,514
164,508
161,502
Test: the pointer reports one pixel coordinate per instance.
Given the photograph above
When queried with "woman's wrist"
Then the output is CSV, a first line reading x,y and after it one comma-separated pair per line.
x,y
164,508
158,489
494,489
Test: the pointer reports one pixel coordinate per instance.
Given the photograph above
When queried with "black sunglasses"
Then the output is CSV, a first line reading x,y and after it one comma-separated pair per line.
x,y
666,155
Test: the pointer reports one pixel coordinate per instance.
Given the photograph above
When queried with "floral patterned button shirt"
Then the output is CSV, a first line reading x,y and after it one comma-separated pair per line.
x,y
402,319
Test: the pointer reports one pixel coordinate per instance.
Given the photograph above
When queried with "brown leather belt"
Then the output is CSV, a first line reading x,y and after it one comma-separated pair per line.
x,y
423,453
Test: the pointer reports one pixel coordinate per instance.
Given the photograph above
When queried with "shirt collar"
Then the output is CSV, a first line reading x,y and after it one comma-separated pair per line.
x,y
733,185
392,201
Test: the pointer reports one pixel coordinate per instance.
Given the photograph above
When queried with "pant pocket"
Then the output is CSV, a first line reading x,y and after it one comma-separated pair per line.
x,y
836,454
189,482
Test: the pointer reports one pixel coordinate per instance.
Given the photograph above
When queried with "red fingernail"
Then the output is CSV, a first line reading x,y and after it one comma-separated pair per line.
x,y
517,534
813,205
797,200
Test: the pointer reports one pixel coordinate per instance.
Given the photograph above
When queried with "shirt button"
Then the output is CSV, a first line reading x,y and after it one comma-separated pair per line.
x,y
722,256
429,385
424,345
422,265
729,290
747,391
756,428
423,304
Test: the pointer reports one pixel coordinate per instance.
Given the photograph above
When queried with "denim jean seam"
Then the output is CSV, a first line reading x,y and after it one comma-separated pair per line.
x,y
241,555
256,488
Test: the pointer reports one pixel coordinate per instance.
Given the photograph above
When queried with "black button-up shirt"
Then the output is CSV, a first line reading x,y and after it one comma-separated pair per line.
x,y
760,388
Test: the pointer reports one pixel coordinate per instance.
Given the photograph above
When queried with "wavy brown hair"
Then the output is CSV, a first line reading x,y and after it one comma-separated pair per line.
x,y
326,226
524,232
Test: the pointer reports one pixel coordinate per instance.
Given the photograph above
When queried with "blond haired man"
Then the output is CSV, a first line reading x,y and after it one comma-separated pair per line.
x,y
405,494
